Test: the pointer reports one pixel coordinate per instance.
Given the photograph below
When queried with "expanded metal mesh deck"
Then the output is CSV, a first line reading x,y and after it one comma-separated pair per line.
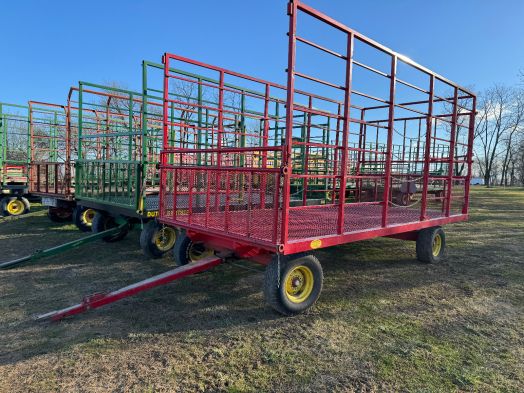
x,y
304,224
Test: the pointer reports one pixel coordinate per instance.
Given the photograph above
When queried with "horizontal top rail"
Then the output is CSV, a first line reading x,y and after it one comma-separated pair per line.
x,y
340,26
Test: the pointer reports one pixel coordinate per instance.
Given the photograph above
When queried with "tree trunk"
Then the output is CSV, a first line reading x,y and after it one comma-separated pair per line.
x,y
486,179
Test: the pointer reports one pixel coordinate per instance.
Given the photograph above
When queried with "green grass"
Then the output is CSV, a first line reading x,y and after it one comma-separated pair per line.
x,y
384,321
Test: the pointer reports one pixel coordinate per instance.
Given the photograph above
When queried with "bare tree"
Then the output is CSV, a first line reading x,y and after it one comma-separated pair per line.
x,y
516,125
500,113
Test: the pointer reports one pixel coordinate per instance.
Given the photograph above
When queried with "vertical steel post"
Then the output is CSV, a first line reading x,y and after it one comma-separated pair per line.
x,y
265,132
361,155
451,155
165,143
287,146
391,125
68,177
345,133
219,137
306,141
78,170
141,182
427,150
469,155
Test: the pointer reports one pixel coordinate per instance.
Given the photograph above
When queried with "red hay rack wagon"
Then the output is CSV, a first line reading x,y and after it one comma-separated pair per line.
x,y
369,144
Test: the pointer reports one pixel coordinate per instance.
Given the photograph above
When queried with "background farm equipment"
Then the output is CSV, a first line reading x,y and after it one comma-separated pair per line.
x,y
14,158
53,141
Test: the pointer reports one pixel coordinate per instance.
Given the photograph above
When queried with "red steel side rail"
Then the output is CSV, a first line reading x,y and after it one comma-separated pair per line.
x,y
101,299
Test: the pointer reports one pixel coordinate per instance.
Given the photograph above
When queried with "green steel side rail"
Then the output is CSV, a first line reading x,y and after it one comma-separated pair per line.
x,y
63,247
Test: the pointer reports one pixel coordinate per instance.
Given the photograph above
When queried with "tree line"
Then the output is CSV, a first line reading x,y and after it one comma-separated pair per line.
x,y
499,135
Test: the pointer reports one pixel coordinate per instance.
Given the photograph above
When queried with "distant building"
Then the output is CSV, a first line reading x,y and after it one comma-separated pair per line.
x,y
477,181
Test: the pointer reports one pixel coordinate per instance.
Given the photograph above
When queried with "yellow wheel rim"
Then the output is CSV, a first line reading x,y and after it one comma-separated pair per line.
x,y
437,245
87,216
15,207
165,238
299,284
198,251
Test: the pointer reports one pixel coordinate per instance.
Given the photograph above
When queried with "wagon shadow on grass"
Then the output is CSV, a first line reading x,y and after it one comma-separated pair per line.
x,y
223,298
227,296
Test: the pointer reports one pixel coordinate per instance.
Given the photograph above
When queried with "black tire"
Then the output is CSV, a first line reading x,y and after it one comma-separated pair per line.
x,y
184,251
103,222
59,214
80,220
279,296
431,245
149,236
23,206
26,203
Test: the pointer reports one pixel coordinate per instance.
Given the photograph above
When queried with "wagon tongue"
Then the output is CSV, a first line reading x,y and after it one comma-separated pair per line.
x,y
102,298
38,254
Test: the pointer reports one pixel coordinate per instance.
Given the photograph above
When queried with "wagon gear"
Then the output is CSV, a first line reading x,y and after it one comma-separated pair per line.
x,y
58,214
431,245
302,280
102,222
15,206
156,239
186,251
83,218
246,173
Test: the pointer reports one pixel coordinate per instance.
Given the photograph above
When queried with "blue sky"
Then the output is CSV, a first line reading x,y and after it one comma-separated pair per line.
x,y
48,46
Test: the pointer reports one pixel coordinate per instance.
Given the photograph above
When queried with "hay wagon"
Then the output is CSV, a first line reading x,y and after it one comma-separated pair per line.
x,y
369,145
53,142
14,159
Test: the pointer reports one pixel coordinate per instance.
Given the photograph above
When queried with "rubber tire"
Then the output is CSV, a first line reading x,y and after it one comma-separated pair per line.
x,y
102,222
147,245
425,245
6,200
53,216
77,219
274,294
181,249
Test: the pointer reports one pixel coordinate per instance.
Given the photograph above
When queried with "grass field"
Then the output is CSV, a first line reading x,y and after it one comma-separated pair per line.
x,y
384,322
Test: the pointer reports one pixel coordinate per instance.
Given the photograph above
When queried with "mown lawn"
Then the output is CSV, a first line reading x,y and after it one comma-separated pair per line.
x,y
384,321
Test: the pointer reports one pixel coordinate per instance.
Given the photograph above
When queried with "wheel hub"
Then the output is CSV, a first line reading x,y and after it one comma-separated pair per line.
x,y
87,216
299,284
436,245
15,207
198,251
165,239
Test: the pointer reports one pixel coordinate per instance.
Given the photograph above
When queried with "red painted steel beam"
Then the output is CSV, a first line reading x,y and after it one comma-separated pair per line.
x,y
391,127
302,245
290,102
427,150
345,133
451,155
101,299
